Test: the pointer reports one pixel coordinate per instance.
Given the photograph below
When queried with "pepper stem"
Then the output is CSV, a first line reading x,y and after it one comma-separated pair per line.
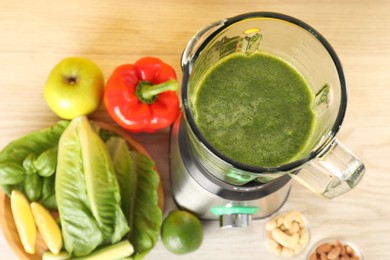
x,y
148,93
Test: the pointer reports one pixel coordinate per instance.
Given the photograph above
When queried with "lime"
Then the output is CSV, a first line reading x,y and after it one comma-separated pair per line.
x,y
181,232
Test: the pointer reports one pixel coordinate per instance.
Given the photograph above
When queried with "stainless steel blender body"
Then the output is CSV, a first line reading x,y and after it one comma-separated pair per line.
x,y
195,189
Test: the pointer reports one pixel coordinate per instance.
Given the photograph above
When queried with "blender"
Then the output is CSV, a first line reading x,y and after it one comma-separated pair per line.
x,y
213,186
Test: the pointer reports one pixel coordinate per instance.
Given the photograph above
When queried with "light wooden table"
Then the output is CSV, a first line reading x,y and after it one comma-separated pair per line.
x,y
35,35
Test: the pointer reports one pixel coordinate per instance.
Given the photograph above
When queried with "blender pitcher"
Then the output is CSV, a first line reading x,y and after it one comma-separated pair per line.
x,y
326,167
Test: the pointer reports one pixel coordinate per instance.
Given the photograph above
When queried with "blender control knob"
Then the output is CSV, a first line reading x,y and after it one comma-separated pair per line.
x,y
232,216
235,220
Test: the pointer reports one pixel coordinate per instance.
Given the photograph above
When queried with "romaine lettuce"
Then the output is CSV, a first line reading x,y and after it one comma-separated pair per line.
x,y
87,191
147,216
126,177
139,184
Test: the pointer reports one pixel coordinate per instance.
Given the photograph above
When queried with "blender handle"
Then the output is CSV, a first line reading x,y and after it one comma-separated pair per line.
x,y
197,40
333,173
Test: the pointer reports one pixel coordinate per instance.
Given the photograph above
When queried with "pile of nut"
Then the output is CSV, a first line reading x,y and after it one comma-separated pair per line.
x,y
287,234
334,251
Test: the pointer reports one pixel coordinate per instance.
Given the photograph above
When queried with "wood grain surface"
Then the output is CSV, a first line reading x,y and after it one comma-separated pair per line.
x,y
35,35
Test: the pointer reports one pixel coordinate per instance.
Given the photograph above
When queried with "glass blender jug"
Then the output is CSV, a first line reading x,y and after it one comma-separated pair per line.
x,y
326,167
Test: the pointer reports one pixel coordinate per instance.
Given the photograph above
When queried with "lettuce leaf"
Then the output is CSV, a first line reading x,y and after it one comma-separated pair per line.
x,y
139,184
123,165
102,185
79,228
87,191
147,216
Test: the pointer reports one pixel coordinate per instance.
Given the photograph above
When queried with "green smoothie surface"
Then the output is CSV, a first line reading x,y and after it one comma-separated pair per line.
x,y
255,109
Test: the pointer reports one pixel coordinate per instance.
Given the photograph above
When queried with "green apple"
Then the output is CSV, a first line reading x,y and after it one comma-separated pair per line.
x,y
74,87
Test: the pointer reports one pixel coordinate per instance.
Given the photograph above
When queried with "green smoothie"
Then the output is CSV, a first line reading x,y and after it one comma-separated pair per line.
x,y
255,109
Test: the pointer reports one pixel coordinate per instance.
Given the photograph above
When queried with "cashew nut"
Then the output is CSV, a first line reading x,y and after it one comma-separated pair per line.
x,y
303,237
271,224
287,234
288,252
291,217
275,246
294,228
280,219
284,239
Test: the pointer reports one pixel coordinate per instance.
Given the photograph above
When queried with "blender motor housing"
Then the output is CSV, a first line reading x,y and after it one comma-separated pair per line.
x,y
210,198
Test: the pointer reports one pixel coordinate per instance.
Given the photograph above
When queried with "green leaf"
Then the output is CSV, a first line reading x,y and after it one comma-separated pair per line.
x,y
147,216
46,162
28,163
102,185
32,187
139,192
80,230
48,184
35,142
48,198
11,173
50,202
9,188
24,148
105,134
123,165
87,191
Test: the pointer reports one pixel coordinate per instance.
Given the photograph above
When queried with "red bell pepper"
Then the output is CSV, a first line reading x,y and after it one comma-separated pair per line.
x,y
141,97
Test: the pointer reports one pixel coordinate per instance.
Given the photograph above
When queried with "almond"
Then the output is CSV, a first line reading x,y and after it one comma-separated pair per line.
x,y
324,248
334,253
313,256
